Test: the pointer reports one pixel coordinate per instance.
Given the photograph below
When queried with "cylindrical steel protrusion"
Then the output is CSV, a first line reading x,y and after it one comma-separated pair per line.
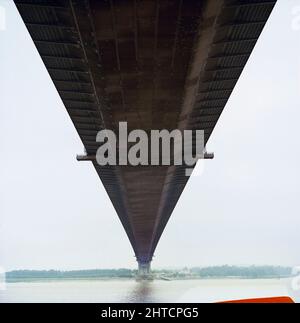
x,y
209,155
85,157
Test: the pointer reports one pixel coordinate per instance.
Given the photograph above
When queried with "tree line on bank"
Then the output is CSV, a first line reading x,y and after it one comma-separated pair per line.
x,y
195,272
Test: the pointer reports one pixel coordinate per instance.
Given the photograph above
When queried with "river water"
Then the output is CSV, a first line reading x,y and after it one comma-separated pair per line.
x,y
204,290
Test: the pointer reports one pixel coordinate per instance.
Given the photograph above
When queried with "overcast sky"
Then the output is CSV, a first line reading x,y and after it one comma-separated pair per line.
x,y
243,209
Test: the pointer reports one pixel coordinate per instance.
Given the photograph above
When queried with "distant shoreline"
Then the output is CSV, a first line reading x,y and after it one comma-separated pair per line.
x,y
213,272
50,280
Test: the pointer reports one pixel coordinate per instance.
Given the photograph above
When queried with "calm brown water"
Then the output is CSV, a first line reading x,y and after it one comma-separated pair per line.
x,y
205,290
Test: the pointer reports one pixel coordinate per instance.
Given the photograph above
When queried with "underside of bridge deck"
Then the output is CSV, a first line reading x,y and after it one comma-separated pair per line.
x,y
168,64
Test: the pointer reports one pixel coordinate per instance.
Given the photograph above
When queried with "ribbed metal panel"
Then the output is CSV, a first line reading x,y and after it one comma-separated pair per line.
x,y
110,64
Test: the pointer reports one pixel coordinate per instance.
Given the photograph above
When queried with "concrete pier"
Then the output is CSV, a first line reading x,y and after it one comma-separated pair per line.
x,y
144,270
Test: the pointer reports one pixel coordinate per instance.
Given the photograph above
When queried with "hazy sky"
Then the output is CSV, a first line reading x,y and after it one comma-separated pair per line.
x,y
243,209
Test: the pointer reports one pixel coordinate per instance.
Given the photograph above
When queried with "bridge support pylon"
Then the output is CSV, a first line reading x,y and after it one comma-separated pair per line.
x,y
144,270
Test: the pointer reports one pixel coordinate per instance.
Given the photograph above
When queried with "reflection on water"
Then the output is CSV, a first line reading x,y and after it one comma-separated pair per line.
x,y
141,292
203,290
